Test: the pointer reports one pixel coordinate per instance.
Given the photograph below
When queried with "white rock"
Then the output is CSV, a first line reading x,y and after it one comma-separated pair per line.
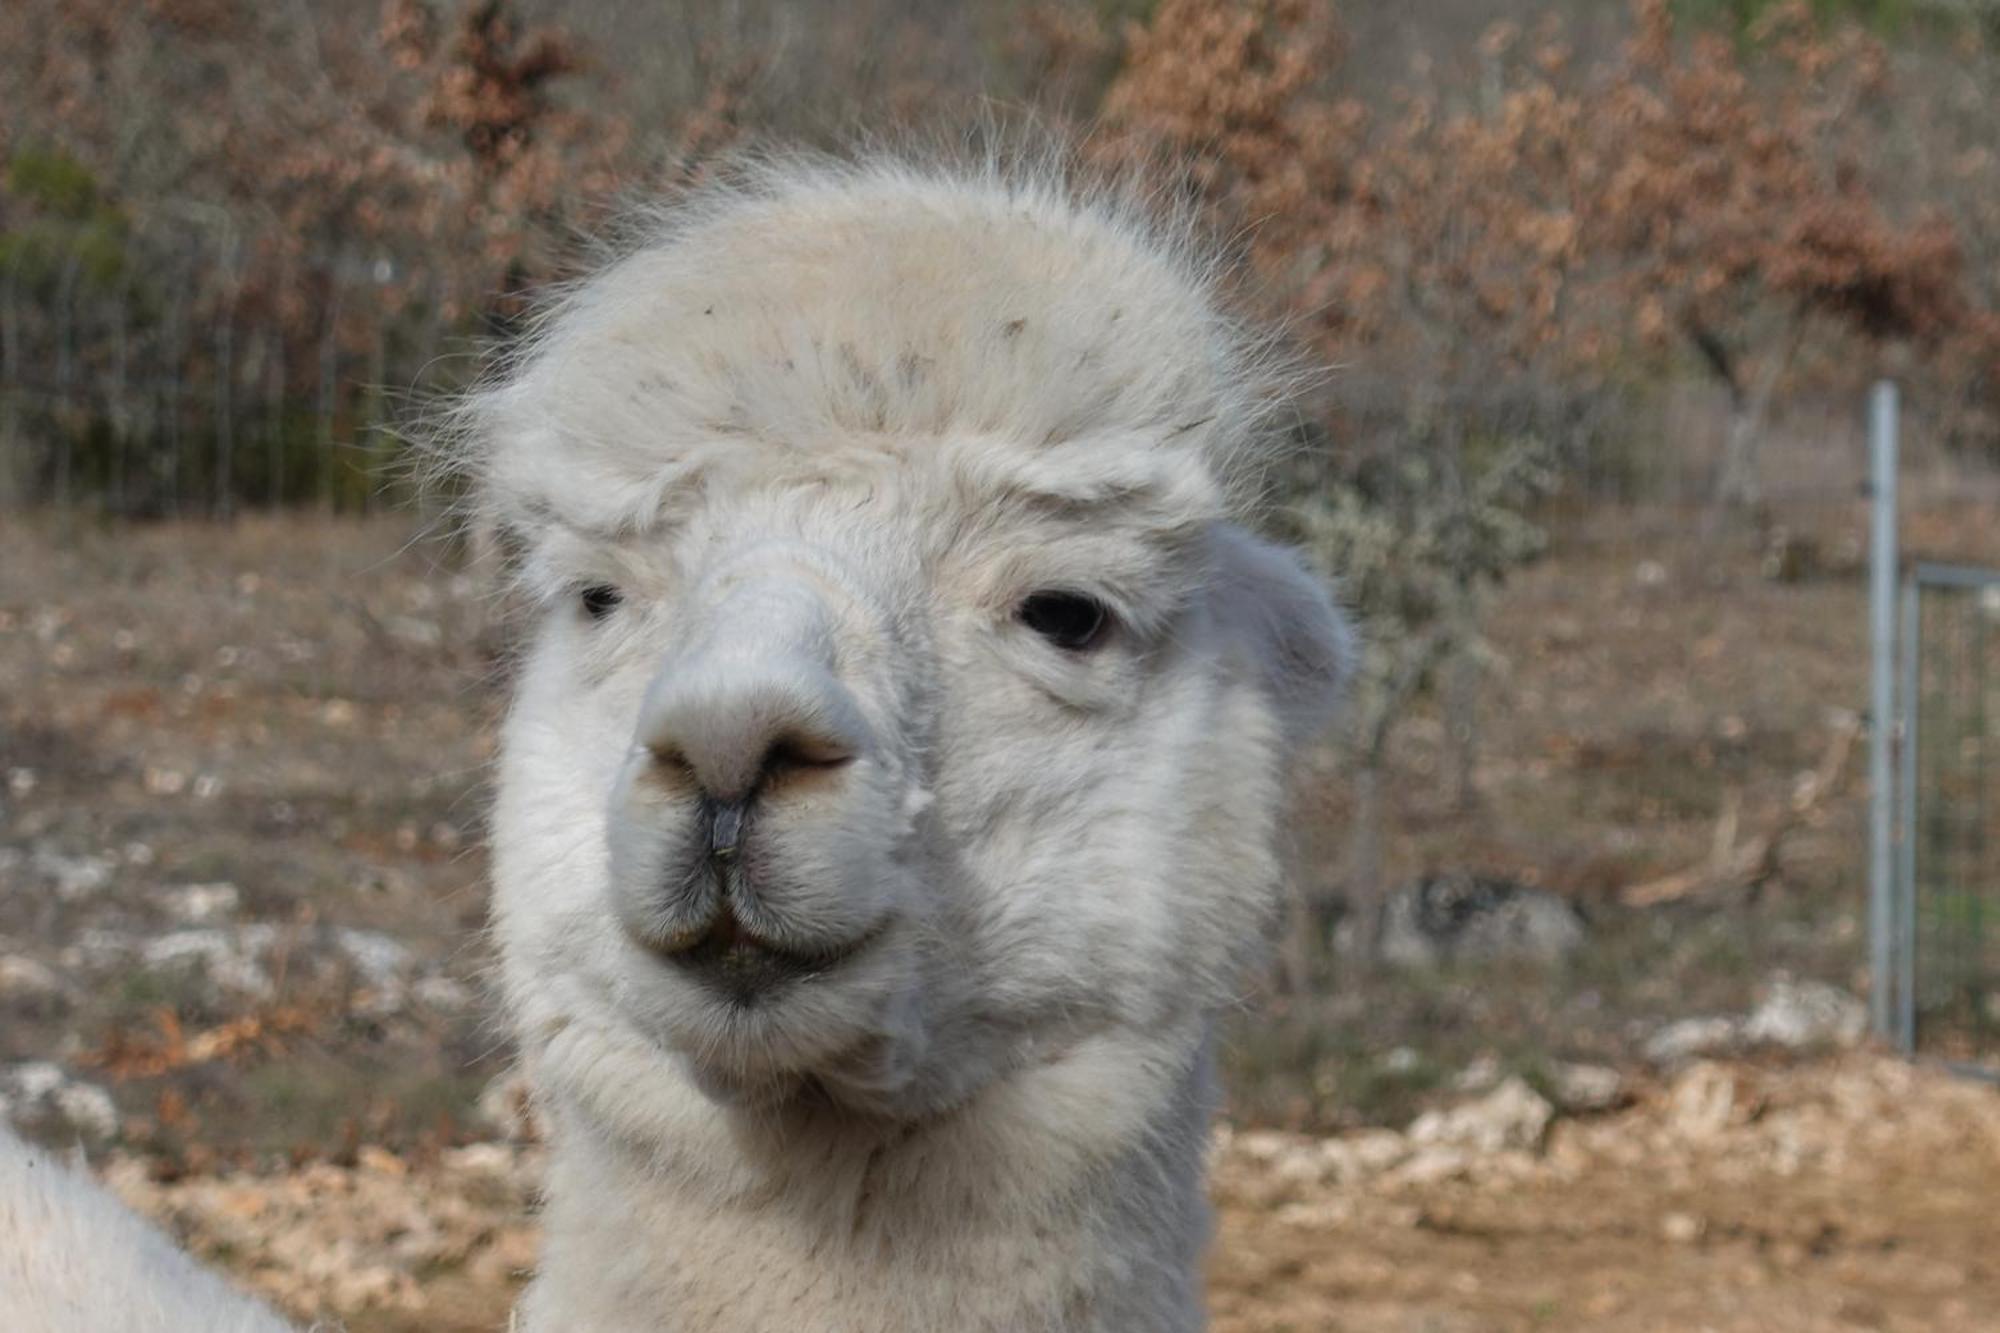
x,y
1691,1037
1483,1073
1703,1101
87,1107
1301,1165
1681,1228
33,1080
377,958
198,904
442,994
22,976
97,947
73,876
40,1091
232,960
1433,1165
1803,1014
1586,1087
1363,1155
1513,1115
1376,1150
1262,1146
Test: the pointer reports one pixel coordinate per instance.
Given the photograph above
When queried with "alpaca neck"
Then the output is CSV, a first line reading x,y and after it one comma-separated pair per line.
x,y
1064,1197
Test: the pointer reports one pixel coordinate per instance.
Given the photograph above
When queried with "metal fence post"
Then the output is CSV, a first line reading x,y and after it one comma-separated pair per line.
x,y
1907,758
1882,709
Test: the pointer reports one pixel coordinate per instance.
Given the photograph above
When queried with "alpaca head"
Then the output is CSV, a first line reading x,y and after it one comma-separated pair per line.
x,y
902,705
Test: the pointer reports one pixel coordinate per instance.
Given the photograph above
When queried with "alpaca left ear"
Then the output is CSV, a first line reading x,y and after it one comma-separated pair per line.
x,y
1285,618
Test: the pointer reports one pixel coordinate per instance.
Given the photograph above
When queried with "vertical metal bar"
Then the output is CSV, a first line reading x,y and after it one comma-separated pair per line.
x,y
1978,866
1906,876
1882,702
1966,818
1957,927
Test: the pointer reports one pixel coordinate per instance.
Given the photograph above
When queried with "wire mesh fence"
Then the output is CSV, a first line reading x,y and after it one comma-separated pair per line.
x,y
1950,955
182,372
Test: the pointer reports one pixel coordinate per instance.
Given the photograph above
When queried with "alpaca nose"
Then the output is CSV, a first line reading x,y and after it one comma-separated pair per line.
x,y
756,701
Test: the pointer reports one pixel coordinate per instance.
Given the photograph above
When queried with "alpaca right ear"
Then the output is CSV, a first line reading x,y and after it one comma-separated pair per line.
x,y
1285,618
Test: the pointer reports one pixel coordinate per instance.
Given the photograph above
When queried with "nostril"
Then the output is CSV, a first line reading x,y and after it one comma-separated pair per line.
x,y
795,760
792,751
670,759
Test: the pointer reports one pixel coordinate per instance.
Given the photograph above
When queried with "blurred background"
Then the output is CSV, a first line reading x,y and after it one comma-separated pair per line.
x,y
1569,1027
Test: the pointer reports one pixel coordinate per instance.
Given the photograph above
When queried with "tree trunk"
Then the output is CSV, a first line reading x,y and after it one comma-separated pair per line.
x,y
1738,480
14,472
1737,487
1365,893
1461,724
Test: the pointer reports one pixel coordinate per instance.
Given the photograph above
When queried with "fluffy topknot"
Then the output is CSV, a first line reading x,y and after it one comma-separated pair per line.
x,y
809,304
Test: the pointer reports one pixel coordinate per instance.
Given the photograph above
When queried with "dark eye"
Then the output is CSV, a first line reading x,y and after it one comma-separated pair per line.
x,y
600,600
1069,620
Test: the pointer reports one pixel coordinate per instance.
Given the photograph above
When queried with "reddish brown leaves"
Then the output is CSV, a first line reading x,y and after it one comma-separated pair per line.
x,y
171,1047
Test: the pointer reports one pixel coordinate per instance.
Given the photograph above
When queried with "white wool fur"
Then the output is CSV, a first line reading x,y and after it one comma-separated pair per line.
x,y
75,1260
825,429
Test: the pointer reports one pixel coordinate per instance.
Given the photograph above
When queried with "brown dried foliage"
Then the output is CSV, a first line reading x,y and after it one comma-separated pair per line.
x,y
1691,191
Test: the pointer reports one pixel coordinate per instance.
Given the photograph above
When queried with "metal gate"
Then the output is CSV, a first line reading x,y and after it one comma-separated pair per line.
x,y
1948,880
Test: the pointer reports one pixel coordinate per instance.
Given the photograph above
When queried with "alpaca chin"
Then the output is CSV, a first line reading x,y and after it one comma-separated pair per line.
x,y
856,1037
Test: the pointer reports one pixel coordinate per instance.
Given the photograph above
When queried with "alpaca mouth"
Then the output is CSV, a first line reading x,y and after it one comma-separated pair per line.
x,y
748,968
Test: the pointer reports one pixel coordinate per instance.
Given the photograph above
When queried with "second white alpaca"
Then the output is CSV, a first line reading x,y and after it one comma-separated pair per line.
x,y
73,1259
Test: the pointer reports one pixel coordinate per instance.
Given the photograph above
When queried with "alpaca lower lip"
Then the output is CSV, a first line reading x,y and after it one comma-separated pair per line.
x,y
746,968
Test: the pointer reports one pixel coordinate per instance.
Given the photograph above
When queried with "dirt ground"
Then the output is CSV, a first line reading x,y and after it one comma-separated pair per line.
x,y
261,748
1848,1194
1851,1195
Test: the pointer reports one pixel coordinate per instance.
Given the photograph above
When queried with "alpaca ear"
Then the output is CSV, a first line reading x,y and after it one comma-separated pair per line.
x,y
1285,620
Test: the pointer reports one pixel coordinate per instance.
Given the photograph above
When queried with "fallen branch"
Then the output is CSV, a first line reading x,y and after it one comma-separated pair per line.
x,y
1732,865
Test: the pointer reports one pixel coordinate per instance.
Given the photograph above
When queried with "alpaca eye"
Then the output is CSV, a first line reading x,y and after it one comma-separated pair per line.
x,y
1069,620
600,600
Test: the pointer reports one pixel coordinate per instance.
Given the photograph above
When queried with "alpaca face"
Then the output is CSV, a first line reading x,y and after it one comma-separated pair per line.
x,y
880,775
863,760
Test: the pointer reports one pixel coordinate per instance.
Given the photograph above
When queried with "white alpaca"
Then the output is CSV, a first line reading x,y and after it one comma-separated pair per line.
x,y
890,799
891,795
74,1260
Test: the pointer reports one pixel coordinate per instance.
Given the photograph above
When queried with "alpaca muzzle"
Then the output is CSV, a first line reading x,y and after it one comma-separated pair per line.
x,y
746,745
